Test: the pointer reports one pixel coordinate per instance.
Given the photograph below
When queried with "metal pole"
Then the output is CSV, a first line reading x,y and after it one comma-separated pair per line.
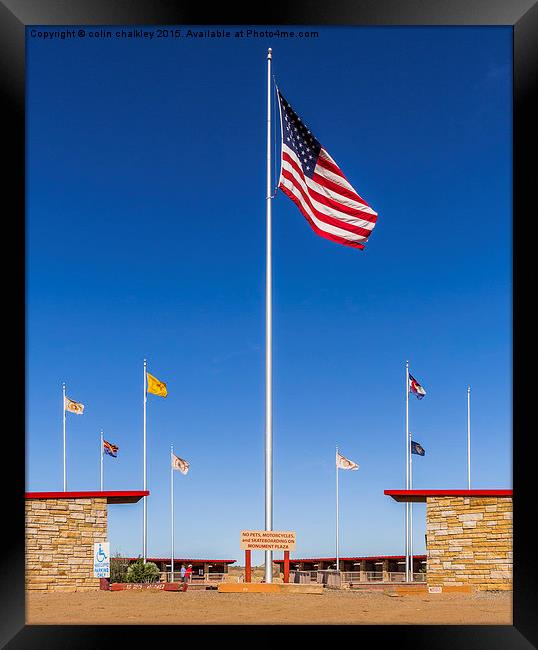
x,y
407,470
172,511
268,343
101,454
410,512
337,547
469,437
65,463
145,532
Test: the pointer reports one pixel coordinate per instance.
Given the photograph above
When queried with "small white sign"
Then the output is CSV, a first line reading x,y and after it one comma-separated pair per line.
x,y
435,590
101,560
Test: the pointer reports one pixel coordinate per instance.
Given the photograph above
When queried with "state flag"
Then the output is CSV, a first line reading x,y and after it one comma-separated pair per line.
x,y
72,406
415,387
344,463
110,449
155,386
180,464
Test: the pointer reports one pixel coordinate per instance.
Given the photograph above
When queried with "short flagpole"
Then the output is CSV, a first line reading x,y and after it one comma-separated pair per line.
x,y
145,531
337,545
468,437
407,470
268,341
65,463
172,513
101,454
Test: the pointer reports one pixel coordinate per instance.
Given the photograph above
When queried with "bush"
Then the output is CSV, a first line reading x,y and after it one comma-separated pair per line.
x,y
140,572
118,568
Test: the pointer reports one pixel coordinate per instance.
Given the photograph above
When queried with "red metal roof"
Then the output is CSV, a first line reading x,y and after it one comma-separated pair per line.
x,y
362,557
112,496
422,495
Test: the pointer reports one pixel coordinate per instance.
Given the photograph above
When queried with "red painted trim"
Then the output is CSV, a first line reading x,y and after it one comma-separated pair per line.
x,y
422,495
347,559
177,559
109,494
248,573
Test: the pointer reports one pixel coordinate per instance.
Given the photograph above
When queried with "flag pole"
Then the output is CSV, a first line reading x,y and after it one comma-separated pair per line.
x,y
468,437
407,470
410,513
145,531
65,464
337,546
101,460
268,341
172,512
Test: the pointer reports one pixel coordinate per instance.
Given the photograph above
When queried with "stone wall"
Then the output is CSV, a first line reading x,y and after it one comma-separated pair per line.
x,y
60,534
469,542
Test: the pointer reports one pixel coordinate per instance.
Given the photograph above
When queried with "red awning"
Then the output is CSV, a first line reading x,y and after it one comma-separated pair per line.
x,y
422,495
112,496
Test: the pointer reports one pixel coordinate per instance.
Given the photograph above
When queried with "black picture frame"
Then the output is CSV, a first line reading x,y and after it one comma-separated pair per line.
x,y
522,16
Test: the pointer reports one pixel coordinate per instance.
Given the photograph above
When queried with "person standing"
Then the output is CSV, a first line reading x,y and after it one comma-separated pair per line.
x,y
182,573
188,573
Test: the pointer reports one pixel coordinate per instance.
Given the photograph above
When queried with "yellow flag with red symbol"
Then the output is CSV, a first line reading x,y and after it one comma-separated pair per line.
x,y
155,386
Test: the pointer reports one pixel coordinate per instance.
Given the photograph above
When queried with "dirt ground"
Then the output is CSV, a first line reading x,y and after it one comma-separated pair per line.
x,y
211,607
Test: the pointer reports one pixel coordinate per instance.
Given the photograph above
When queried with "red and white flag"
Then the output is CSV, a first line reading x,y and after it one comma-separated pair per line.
x,y
415,387
344,463
314,182
180,464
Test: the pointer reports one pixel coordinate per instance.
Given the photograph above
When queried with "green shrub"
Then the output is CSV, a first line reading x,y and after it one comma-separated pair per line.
x,y
118,568
140,572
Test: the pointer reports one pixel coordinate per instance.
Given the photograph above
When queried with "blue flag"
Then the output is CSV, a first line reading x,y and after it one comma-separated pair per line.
x,y
417,449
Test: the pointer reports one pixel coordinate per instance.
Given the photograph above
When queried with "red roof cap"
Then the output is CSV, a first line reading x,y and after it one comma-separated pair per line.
x,y
347,559
422,495
112,496
177,560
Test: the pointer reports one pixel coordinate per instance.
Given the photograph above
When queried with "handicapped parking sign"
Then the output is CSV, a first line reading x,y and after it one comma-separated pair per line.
x,y
101,560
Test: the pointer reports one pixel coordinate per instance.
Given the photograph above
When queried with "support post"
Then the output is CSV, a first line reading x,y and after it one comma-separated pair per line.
x,y
247,566
286,566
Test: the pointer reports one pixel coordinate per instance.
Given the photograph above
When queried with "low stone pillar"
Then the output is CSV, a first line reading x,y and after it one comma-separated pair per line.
x,y
386,576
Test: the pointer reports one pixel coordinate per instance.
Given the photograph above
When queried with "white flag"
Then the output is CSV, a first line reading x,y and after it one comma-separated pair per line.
x,y
72,406
180,464
344,463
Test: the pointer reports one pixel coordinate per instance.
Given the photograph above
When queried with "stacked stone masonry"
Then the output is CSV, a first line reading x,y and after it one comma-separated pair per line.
x,y
469,542
60,534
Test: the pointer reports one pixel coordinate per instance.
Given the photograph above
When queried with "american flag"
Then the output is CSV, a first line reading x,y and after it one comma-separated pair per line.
x,y
314,182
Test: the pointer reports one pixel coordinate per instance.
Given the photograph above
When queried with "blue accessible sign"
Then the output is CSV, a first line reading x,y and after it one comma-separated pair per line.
x,y
101,560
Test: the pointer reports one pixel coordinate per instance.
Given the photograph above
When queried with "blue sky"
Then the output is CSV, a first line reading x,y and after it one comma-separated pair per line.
x,y
146,239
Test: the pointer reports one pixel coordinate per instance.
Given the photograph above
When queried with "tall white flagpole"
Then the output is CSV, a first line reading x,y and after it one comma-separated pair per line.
x,y
407,470
65,463
172,513
337,546
101,460
268,342
145,532
468,437
410,512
